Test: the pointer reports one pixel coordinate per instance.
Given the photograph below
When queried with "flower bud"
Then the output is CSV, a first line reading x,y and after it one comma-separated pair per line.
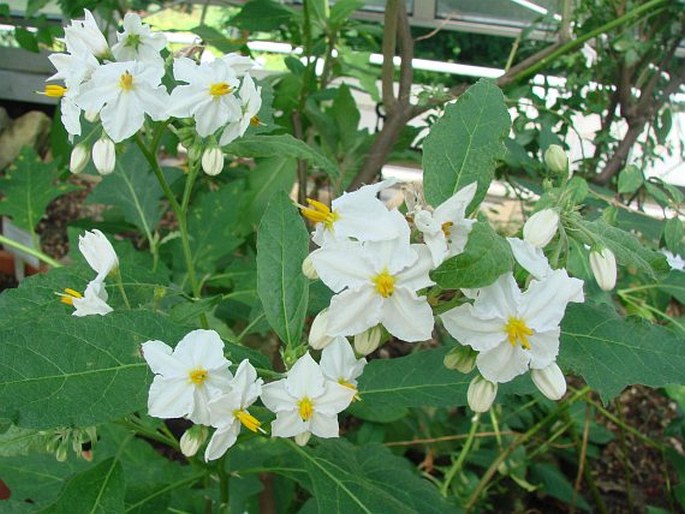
x,y
194,153
92,116
367,342
541,227
192,439
104,156
302,438
61,453
461,358
79,158
556,160
213,161
318,338
308,269
603,265
550,381
481,394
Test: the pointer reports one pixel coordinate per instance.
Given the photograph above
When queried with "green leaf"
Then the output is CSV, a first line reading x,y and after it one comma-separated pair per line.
x,y
134,189
282,245
630,179
99,490
611,353
283,145
628,250
28,188
673,234
26,39
555,484
33,6
262,16
345,479
212,37
341,11
674,284
269,176
18,441
465,144
486,257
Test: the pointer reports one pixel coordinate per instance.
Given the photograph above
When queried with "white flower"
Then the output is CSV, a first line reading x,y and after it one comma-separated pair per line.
x,y
305,401
98,252
79,159
104,155
138,43
445,230
338,363
366,342
603,266
358,215
318,333
241,64
513,330
676,262
187,377
541,227
85,36
207,95
123,92
530,257
92,301
228,411
250,103
481,394
212,161
376,282
550,381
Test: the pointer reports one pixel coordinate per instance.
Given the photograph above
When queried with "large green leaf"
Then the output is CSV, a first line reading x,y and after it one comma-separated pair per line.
x,y
98,490
282,245
262,16
465,144
269,176
628,250
486,257
674,284
610,352
283,145
28,188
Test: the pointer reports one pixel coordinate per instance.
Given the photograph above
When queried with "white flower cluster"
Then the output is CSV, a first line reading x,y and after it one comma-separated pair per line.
x,y
193,381
367,259
121,84
100,255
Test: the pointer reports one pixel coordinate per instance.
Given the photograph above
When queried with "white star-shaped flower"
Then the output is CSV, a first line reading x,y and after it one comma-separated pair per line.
x,y
85,36
138,43
250,103
338,363
98,252
92,301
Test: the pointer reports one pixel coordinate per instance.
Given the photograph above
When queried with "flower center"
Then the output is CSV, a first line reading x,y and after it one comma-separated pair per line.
x,y
247,420
320,213
447,228
69,295
126,81
306,408
54,91
518,331
133,40
219,89
385,283
198,376
254,121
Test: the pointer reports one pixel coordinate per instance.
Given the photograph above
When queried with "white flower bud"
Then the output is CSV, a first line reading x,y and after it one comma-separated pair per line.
x,y
98,252
550,381
461,358
318,338
308,269
192,439
603,265
92,116
79,158
367,342
104,156
302,438
481,394
213,161
541,227
556,160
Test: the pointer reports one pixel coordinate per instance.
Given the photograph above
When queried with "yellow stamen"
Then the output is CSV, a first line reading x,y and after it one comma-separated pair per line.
x,y
447,228
306,408
54,91
126,81
320,213
518,331
385,283
349,385
248,420
198,376
254,121
69,295
219,89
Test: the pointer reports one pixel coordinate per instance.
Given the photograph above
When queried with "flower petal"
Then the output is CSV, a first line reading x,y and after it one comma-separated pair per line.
x,y
158,356
342,264
544,347
353,311
221,441
545,301
336,398
480,331
276,397
324,425
503,363
169,398
288,424
305,378
407,316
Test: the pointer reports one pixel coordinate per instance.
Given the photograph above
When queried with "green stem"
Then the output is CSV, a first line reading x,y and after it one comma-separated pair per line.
x,y
224,505
30,251
643,305
459,463
150,434
120,285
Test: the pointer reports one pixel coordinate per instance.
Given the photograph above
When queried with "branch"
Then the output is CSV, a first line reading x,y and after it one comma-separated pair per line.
x,y
389,44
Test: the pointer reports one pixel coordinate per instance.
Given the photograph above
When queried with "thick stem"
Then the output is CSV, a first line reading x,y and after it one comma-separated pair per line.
x,y
30,251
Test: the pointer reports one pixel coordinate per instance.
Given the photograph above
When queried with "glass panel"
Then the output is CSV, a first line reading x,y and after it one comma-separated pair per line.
x,y
379,5
504,12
